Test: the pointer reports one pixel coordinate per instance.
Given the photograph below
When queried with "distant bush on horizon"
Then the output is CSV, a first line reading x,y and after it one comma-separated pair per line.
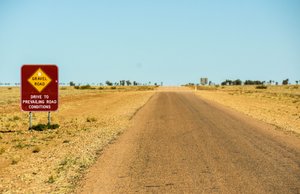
x,y
84,87
261,87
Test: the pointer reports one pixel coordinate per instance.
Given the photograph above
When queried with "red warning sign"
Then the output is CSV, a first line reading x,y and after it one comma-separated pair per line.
x,y
39,88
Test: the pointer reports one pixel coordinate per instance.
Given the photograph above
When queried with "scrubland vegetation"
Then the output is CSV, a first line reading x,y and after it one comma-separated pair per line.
x,y
277,105
52,159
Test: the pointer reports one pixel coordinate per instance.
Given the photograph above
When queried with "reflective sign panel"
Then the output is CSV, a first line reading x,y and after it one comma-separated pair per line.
x,y
39,88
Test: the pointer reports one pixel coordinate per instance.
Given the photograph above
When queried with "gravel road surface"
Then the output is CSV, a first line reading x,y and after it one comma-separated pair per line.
x,y
179,143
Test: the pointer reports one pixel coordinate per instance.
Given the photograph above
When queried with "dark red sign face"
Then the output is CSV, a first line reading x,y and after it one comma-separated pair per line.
x,y
39,88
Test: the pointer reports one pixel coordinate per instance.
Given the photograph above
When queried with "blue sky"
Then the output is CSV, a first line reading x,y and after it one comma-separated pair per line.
x,y
174,42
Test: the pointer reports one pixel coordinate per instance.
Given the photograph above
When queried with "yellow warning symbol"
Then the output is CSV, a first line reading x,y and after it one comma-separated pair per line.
x,y
39,80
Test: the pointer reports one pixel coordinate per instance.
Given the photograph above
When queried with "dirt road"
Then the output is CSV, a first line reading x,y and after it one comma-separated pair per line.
x,y
180,143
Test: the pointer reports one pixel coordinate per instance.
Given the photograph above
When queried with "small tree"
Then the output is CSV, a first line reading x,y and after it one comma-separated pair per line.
x,y
297,82
108,83
237,82
72,83
122,82
285,82
128,83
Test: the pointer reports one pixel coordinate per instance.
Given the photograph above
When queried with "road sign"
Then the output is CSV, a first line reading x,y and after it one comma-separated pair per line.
x,y
39,88
203,81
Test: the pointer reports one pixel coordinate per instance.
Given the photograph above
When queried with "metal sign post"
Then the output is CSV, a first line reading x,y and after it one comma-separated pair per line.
x,y
49,118
30,120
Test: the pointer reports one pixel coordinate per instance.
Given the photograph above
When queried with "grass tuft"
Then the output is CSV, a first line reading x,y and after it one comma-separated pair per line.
x,y
20,145
15,118
15,160
2,150
91,119
36,149
51,179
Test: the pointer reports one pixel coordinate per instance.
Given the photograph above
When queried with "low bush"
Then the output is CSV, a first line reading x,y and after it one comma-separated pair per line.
x,y
36,149
84,87
2,150
42,127
91,119
261,87
51,179
15,118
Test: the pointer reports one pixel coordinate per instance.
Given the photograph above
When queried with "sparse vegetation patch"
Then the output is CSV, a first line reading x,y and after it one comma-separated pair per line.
x,y
274,104
42,127
36,149
261,87
31,158
91,119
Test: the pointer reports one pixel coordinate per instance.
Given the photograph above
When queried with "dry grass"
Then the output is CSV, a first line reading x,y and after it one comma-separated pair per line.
x,y
277,105
51,161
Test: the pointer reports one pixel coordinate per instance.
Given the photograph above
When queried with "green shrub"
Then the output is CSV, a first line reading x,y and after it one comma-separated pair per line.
x,y
91,119
42,127
15,118
261,87
36,149
20,145
51,179
15,160
2,150
84,87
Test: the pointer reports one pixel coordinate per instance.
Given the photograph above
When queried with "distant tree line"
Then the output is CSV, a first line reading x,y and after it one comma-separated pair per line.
x,y
255,82
119,83
231,82
247,82
135,83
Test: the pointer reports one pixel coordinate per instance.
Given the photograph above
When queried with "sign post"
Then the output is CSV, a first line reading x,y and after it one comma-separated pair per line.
x,y
30,120
49,118
203,81
39,89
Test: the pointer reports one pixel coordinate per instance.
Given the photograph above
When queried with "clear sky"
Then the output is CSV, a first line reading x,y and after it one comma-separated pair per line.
x,y
171,41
